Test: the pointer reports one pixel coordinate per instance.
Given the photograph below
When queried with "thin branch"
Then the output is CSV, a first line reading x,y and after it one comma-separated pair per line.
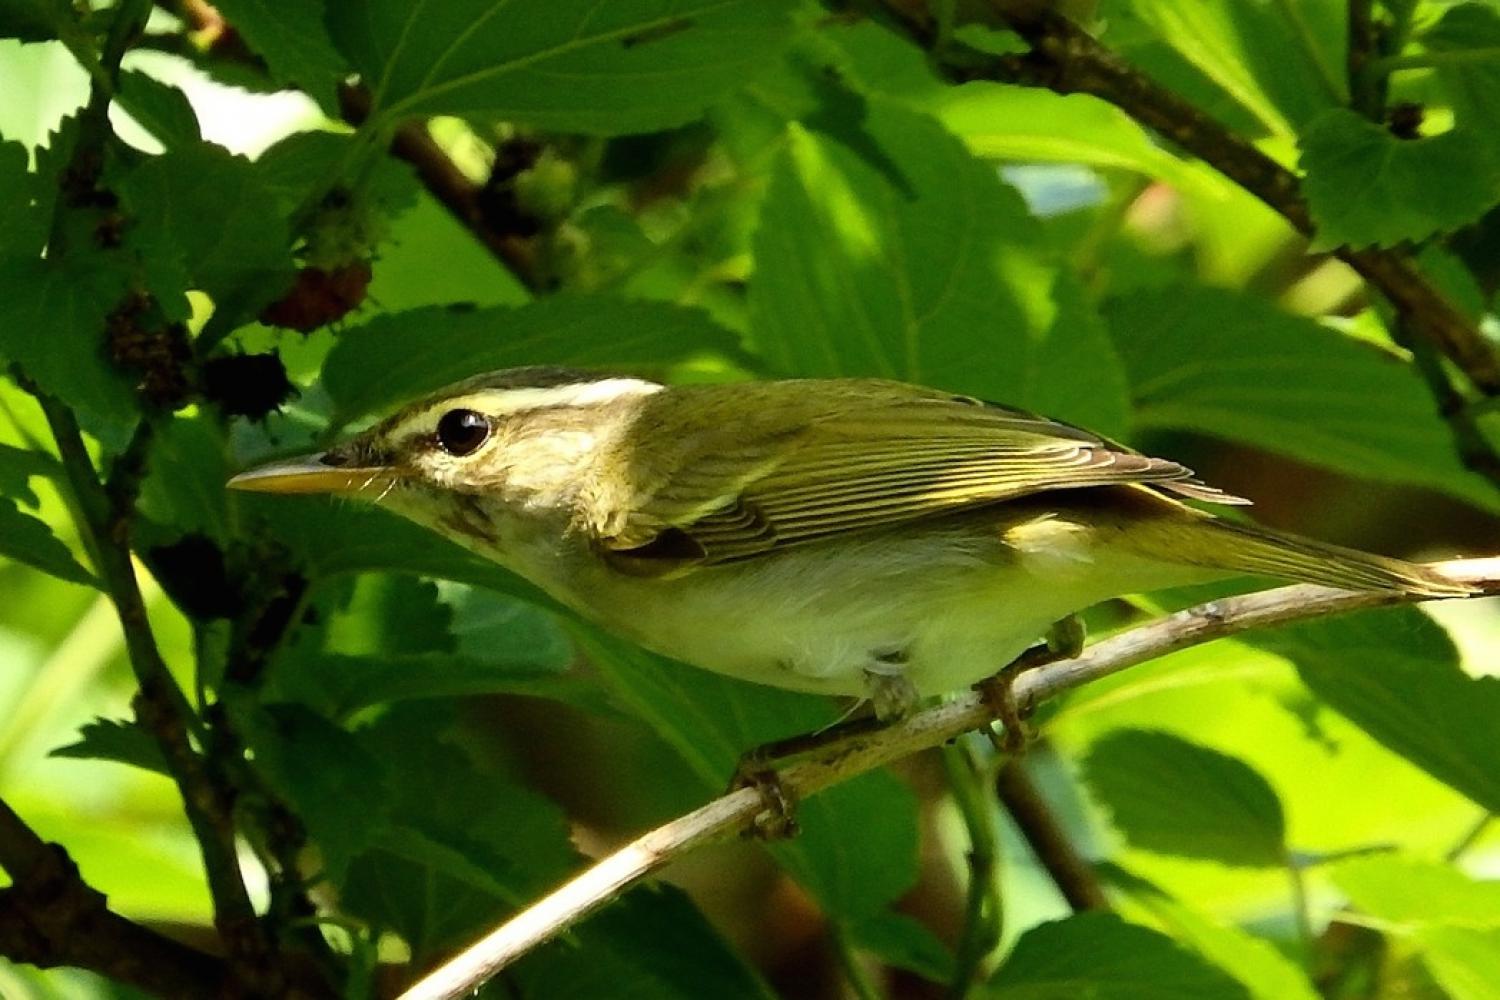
x,y
1072,873
984,913
1068,60
49,917
741,809
1366,90
1471,837
448,184
161,706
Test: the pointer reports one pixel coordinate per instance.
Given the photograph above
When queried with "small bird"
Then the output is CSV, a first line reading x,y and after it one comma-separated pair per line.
x,y
842,536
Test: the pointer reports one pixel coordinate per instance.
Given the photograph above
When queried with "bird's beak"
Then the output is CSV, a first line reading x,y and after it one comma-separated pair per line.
x,y
311,474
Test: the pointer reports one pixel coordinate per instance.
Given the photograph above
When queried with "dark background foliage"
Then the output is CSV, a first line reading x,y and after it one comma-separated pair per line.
x,y
326,748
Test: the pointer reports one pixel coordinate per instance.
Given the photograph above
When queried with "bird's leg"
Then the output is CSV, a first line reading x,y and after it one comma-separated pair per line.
x,y
891,696
1064,641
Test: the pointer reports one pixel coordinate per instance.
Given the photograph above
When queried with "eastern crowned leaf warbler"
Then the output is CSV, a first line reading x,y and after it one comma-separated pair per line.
x,y
842,536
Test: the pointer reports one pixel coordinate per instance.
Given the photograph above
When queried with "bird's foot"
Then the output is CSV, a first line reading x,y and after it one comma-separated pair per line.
x,y
778,820
1064,642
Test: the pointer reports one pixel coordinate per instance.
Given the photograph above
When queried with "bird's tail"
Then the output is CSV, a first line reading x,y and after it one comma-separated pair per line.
x,y
1259,551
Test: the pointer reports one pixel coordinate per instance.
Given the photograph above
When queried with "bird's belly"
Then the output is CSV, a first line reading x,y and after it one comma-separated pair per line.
x,y
814,619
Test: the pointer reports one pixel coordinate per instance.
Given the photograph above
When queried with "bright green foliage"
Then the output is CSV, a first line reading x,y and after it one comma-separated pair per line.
x,y
1166,794
909,259
414,744
1367,187
1098,955
1397,675
1230,365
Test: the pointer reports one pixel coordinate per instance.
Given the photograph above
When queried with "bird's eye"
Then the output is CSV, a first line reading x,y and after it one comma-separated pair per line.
x,y
461,432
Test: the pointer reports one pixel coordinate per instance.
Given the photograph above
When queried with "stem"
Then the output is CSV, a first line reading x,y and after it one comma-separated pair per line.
x,y
1470,838
855,974
1071,872
1300,909
1433,60
984,912
1066,59
160,705
49,917
862,752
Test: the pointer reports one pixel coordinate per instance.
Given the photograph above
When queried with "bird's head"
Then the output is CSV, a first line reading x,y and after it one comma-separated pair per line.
x,y
514,439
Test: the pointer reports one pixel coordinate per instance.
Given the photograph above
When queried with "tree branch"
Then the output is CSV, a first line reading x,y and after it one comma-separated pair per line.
x,y
1071,872
160,704
1068,60
505,239
49,917
742,809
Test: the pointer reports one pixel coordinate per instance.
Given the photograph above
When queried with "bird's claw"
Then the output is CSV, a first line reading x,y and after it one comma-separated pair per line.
x,y
778,820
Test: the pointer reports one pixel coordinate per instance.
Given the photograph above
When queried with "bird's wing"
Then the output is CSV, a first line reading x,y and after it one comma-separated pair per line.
x,y
856,456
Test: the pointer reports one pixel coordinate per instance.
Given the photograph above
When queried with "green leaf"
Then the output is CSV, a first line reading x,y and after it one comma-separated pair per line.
x,y
620,956
1169,795
35,20
160,108
18,466
1366,187
1395,674
1256,963
330,538
1283,62
294,168
914,261
1099,956
1465,43
116,740
562,65
1465,962
390,359
29,540
459,847
184,487
292,39
1405,890
856,850
23,196
903,942
1231,365
335,786
206,210
1029,124
70,299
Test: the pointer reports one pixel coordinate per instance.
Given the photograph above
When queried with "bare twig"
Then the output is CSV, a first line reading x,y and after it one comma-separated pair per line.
x,y
49,916
1068,60
1070,870
739,810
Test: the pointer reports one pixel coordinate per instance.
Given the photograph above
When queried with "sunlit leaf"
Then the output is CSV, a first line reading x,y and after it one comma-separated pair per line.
x,y
1169,795
567,65
1231,365
1395,674
1263,970
1465,962
925,267
1408,891
1097,955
